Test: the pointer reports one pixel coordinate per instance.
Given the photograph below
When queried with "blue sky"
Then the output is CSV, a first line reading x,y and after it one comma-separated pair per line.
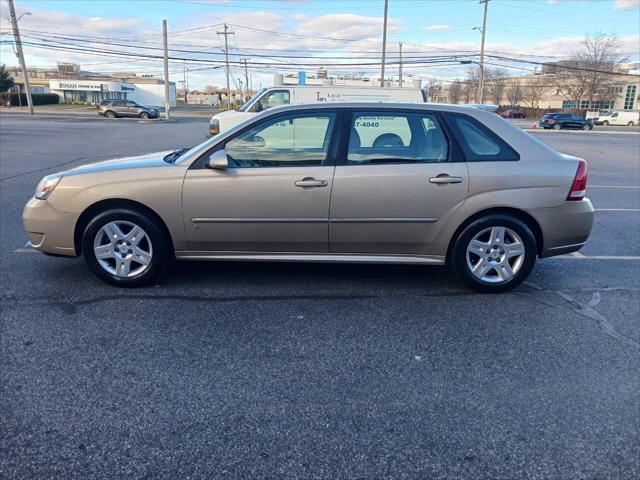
x,y
537,28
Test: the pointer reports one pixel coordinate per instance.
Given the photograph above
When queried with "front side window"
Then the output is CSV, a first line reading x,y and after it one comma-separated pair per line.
x,y
478,142
286,141
275,99
396,137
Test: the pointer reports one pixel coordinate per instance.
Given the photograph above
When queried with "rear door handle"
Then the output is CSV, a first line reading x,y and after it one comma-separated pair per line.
x,y
310,182
445,178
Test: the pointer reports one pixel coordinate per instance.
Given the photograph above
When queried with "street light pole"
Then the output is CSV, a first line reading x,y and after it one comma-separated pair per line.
x,y
20,53
384,41
167,106
483,32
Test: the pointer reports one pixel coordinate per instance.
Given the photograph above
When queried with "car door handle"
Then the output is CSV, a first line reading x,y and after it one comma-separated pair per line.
x,y
445,178
310,182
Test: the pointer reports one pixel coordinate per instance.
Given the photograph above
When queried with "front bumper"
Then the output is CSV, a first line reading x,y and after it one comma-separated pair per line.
x,y
565,228
50,230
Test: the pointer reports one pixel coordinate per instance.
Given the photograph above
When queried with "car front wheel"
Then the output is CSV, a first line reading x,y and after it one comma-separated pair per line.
x,y
144,116
586,127
605,123
125,248
494,254
110,114
557,126
630,124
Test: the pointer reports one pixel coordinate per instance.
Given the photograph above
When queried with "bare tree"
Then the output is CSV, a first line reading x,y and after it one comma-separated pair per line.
x,y
455,91
467,92
433,87
588,74
473,83
534,90
514,92
496,83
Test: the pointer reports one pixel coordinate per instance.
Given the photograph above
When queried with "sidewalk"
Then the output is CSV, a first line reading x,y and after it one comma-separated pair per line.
x,y
63,109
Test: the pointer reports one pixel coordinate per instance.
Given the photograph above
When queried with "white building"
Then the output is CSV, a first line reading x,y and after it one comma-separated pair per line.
x,y
94,91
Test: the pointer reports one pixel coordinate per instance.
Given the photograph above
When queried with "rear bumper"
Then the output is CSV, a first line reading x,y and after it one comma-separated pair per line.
x,y
565,228
49,229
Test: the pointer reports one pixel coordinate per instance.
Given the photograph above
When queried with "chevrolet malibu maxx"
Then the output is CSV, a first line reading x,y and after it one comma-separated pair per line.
x,y
353,182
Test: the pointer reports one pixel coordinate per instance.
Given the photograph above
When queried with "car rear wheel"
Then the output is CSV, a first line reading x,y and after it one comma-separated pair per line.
x,y
557,126
110,114
494,254
144,116
125,248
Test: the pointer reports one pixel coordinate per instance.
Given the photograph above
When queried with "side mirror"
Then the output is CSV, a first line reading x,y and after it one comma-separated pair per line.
x,y
218,160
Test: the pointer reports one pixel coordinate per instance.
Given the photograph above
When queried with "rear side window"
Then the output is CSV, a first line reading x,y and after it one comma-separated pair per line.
x,y
479,143
379,137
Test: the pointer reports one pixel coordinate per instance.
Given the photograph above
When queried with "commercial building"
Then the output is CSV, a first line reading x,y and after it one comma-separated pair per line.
x,y
76,86
552,89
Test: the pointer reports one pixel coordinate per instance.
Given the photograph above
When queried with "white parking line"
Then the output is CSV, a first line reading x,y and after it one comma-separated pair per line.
x,y
595,257
617,209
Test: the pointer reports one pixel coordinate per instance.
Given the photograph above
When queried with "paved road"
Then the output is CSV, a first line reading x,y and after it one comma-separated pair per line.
x,y
327,371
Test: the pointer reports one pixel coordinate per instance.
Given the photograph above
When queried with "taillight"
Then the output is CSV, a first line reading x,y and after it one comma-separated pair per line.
x,y
579,185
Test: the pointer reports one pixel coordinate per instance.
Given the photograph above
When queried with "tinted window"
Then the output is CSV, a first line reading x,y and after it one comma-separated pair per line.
x,y
286,141
396,137
118,103
478,142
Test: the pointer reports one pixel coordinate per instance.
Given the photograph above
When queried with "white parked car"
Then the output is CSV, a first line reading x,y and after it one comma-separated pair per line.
x,y
284,95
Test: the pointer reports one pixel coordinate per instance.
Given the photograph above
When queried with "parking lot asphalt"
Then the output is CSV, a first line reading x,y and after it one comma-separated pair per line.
x,y
315,371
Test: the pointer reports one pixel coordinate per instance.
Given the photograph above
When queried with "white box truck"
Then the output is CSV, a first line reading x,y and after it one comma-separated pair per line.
x,y
283,95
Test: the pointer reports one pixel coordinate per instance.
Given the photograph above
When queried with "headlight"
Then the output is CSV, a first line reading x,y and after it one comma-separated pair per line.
x,y
46,186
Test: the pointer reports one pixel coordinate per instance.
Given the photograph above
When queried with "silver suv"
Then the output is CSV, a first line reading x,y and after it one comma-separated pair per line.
x,y
340,182
125,108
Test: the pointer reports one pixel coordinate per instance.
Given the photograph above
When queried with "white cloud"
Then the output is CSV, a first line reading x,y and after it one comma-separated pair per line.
x,y
438,27
626,4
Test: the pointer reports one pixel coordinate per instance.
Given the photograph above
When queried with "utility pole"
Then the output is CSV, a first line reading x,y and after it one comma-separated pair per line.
x,y
483,32
184,82
167,107
226,34
246,79
20,53
384,41
400,66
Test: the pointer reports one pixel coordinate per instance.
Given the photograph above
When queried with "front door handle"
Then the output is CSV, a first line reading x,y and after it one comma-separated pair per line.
x,y
310,182
445,178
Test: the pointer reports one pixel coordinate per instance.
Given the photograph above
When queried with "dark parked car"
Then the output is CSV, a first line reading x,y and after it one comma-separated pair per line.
x,y
559,121
125,108
512,114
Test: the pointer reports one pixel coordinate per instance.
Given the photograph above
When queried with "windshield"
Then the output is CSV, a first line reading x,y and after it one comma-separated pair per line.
x,y
252,100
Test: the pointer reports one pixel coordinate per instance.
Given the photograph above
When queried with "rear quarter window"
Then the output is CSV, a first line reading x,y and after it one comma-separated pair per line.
x,y
477,142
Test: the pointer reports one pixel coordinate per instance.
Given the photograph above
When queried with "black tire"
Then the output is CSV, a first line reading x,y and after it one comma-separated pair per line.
x,y
630,124
144,116
458,254
160,247
557,126
605,123
586,127
110,114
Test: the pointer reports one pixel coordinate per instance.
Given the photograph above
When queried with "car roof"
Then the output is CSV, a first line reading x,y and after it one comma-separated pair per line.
x,y
446,107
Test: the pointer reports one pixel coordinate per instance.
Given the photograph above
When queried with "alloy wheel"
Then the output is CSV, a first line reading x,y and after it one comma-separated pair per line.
x,y
495,255
123,249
